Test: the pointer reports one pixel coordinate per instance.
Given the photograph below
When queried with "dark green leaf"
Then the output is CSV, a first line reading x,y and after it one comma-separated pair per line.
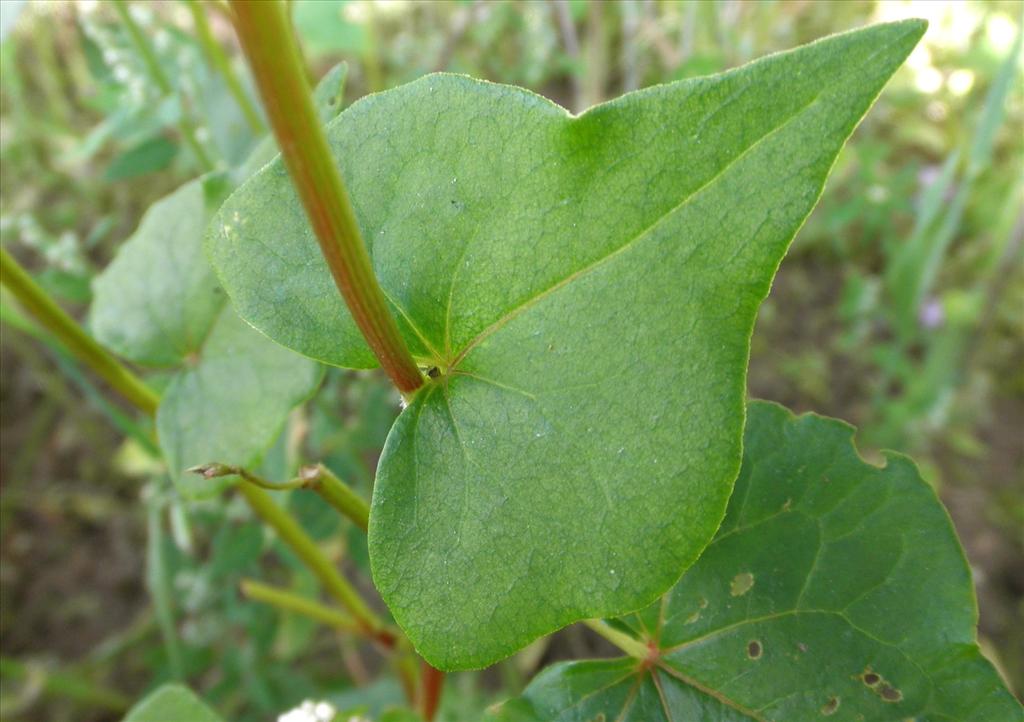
x,y
834,589
172,703
586,288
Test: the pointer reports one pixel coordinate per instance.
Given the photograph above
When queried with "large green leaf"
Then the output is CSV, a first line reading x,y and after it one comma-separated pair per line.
x,y
586,287
172,703
833,589
154,303
159,303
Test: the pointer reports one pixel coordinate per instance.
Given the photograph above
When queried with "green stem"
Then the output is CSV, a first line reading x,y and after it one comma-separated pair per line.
x,y
291,602
158,76
219,59
82,346
307,550
68,366
158,581
629,645
316,477
65,684
273,55
48,73
215,469
92,354
338,494
371,55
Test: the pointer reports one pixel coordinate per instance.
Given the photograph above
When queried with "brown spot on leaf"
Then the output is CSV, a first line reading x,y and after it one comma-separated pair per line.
x,y
871,678
830,707
889,693
741,584
754,649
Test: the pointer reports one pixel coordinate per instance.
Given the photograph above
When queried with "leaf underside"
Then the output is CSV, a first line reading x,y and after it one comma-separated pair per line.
x,y
158,303
834,590
586,287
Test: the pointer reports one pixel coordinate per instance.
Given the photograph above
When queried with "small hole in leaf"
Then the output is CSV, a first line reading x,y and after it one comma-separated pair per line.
x,y
890,694
830,707
434,372
754,649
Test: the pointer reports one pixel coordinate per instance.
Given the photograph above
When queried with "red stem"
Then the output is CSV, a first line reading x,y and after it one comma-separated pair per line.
x,y
432,686
273,54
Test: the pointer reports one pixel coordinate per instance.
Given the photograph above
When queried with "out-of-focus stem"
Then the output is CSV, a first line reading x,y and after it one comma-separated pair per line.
x,y
219,59
65,684
338,494
431,687
159,77
306,549
82,346
316,477
291,602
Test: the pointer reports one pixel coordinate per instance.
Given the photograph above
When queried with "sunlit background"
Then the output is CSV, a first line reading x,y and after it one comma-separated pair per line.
x,y
899,309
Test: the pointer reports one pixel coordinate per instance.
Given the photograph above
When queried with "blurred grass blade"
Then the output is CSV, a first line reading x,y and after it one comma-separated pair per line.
x,y
903,270
61,684
12,316
158,582
993,112
917,264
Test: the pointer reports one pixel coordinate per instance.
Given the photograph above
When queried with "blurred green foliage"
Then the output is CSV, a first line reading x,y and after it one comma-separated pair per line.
x,y
900,309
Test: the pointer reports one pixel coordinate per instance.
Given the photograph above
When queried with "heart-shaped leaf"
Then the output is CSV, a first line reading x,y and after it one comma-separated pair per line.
x,y
586,288
159,303
834,589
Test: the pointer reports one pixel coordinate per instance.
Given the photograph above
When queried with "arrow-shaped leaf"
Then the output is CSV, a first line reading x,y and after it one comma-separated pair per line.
x,y
586,288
